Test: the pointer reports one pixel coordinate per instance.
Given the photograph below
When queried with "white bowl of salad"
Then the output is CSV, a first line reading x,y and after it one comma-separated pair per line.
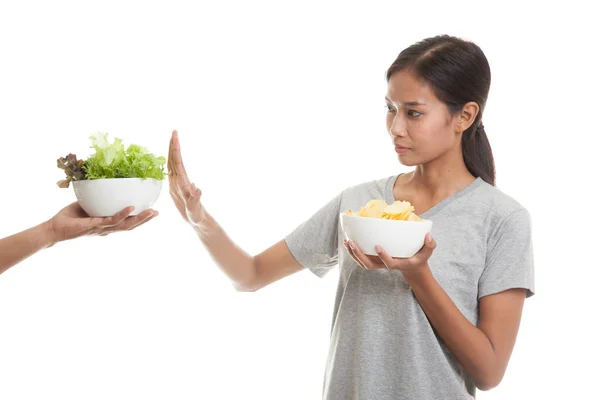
x,y
114,178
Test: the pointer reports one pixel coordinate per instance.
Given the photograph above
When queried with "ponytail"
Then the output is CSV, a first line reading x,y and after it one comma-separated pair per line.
x,y
477,153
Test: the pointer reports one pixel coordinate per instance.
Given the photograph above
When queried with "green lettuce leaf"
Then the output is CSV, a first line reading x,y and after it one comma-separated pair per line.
x,y
112,160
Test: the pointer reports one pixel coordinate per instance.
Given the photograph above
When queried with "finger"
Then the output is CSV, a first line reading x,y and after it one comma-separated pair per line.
x,y
355,258
430,242
388,261
174,186
132,222
183,188
360,255
177,199
178,160
114,220
426,251
170,167
353,255
141,221
190,194
193,195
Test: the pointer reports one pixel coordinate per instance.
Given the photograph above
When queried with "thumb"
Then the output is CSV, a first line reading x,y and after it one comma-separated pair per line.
x,y
430,243
427,248
425,252
193,193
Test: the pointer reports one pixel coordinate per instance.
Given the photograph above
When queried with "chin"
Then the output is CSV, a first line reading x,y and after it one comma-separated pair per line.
x,y
411,159
408,161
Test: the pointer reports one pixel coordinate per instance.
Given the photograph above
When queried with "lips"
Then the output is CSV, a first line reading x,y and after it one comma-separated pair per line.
x,y
401,149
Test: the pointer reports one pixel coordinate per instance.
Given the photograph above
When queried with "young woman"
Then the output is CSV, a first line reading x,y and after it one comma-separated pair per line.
x,y
69,223
444,322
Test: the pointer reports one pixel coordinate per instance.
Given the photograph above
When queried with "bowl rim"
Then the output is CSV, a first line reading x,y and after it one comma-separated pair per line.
x,y
382,219
115,179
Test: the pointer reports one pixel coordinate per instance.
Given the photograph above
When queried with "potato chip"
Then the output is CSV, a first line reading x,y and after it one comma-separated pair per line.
x,y
375,208
398,210
376,203
375,212
414,217
363,212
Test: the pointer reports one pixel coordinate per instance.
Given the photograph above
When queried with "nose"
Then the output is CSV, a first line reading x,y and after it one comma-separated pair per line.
x,y
398,127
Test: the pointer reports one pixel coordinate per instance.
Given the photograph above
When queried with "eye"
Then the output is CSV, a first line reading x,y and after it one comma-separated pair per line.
x,y
390,108
414,113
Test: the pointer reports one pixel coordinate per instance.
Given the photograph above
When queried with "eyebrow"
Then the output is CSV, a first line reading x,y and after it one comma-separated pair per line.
x,y
407,104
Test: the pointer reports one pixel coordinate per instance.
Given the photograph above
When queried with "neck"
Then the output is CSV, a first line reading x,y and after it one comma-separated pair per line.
x,y
441,177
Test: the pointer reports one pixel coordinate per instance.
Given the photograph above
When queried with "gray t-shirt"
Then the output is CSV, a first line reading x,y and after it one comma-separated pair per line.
x,y
382,345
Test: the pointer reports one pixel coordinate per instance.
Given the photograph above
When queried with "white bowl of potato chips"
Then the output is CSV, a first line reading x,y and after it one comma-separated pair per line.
x,y
395,227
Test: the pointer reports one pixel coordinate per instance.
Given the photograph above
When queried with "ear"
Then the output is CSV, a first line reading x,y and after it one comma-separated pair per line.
x,y
466,116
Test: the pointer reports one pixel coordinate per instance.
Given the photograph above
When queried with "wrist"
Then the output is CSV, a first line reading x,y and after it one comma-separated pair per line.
x,y
206,228
417,275
47,234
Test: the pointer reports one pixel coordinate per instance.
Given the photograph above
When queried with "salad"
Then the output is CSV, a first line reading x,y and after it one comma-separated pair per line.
x,y
112,160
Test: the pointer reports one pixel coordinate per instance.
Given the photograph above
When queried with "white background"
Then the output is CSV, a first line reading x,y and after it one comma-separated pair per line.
x,y
279,106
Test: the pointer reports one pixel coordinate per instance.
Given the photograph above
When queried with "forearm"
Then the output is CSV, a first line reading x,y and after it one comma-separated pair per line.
x,y
470,345
232,260
18,247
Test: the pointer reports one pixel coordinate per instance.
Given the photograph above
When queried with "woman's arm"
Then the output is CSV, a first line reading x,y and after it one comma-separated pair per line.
x,y
483,350
247,273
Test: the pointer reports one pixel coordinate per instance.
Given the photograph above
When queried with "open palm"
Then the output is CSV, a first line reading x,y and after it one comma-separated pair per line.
x,y
185,195
72,222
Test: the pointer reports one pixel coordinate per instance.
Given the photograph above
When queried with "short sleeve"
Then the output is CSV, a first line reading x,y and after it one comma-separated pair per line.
x,y
509,261
314,243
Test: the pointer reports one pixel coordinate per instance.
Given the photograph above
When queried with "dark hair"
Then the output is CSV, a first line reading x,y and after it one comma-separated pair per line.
x,y
458,72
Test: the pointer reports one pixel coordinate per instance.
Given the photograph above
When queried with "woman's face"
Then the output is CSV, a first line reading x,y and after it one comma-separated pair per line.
x,y
420,125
